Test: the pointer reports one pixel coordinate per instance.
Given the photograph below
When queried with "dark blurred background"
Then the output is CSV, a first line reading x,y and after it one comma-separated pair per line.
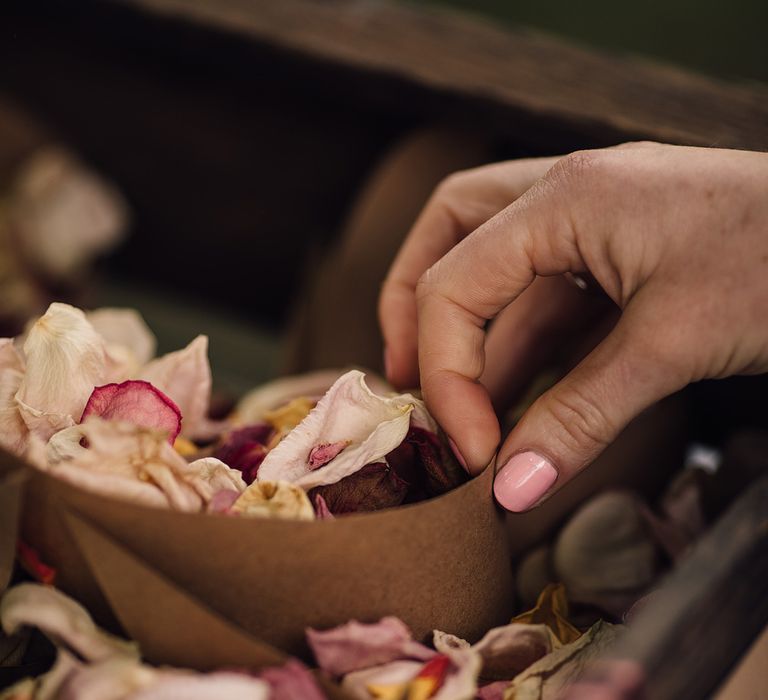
x,y
726,38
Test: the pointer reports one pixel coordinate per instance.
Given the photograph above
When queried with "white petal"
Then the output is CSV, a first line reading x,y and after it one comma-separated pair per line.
x,y
393,673
13,430
129,342
185,375
213,475
350,412
252,407
173,685
461,684
62,620
65,360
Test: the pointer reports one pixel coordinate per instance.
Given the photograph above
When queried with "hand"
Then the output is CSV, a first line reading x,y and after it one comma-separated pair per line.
x,y
676,237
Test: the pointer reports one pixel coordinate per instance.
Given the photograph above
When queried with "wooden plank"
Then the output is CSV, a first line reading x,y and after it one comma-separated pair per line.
x,y
449,52
709,610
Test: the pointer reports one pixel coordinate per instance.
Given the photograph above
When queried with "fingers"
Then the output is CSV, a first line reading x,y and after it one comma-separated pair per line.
x,y
461,204
530,333
568,426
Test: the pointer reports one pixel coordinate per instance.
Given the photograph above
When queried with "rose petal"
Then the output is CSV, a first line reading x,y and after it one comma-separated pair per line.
x,y
322,511
373,425
13,429
174,685
356,645
222,501
245,449
292,681
279,499
62,620
374,487
129,342
253,406
185,376
393,673
65,360
138,402
323,453
117,678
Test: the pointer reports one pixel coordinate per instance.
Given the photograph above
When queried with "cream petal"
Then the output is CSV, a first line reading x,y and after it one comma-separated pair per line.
x,y
9,356
172,685
62,620
14,433
65,360
129,343
350,412
117,678
267,397
392,673
461,681
138,464
266,499
185,375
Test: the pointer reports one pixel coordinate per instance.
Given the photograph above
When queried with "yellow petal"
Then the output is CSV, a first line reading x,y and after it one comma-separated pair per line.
x,y
422,688
186,448
551,609
393,691
287,417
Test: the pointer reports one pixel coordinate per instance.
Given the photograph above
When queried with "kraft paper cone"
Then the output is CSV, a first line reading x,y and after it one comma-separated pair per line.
x,y
441,564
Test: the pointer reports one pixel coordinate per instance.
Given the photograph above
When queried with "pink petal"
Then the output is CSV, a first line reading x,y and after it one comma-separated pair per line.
x,y
492,691
293,681
222,501
322,511
245,449
323,453
136,402
356,645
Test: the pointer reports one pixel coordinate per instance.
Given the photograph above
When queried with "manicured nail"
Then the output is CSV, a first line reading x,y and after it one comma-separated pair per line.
x,y
523,480
459,458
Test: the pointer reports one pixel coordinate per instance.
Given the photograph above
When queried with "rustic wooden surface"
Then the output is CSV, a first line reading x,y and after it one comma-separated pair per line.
x,y
447,51
710,608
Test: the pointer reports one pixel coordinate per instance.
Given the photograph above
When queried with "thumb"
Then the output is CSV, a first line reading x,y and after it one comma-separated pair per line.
x,y
572,423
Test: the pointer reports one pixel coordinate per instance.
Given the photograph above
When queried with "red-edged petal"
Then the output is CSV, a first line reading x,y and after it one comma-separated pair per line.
x,y
138,402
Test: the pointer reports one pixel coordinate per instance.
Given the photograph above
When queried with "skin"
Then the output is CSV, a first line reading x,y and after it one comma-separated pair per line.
x,y
676,238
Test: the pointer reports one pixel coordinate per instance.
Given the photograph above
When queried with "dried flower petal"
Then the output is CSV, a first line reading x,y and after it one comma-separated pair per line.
x,y
222,501
385,682
280,499
137,464
545,679
286,417
374,487
292,681
173,685
30,561
356,645
62,620
323,453
256,403
65,360
13,430
551,610
185,376
129,343
373,425
322,511
138,402
245,449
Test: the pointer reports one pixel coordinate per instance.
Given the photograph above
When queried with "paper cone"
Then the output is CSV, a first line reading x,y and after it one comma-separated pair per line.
x,y
442,564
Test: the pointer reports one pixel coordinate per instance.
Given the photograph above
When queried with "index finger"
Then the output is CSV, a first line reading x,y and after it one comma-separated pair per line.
x,y
458,206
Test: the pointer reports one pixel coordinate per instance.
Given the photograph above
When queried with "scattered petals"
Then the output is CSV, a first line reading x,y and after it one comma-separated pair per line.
x,y
356,645
65,360
245,449
137,402
373,425
292,681
61,619
280,499
323,453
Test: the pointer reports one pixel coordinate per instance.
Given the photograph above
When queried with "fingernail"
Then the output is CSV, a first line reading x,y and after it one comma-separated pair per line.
x,y
459,458
523,480
387,363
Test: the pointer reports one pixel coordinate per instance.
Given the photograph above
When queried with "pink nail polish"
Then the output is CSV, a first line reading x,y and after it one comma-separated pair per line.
x,y
523,480
459,457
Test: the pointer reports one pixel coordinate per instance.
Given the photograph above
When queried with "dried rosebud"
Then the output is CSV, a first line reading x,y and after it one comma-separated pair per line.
x,y
136,402
374,487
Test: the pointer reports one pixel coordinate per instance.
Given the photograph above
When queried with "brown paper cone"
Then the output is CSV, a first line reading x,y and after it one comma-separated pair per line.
x,y
441,564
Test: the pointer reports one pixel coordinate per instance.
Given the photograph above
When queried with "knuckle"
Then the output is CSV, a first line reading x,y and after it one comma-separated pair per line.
x,y
579,165
427,283
584,425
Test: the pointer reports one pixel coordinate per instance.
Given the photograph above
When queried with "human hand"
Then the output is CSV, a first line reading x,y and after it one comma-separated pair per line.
x,y
676,237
